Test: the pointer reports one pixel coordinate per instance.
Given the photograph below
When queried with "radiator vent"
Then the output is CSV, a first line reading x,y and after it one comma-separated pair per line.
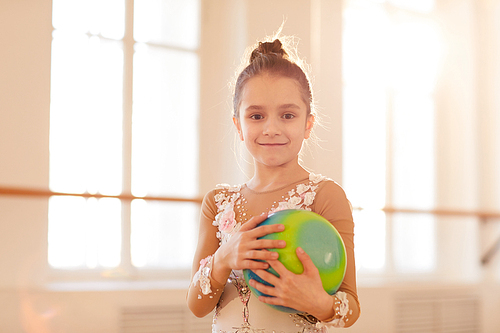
x,y
164,319
438,314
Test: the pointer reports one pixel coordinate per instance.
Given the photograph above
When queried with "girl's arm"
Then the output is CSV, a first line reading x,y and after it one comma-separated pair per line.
x,y
212,263
204,291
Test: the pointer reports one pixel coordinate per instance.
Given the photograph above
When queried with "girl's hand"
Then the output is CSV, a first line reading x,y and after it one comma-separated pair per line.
x,y
303,292
244,248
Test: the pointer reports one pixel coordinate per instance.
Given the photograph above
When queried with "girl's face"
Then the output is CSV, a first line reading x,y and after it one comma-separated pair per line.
x,y
273,120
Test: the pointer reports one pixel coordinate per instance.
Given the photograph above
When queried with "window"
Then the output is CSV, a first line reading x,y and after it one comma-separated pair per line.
x,y
124,120
391,54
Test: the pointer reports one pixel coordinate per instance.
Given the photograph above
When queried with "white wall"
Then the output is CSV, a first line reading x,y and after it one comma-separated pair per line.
x,y
24,135
469,110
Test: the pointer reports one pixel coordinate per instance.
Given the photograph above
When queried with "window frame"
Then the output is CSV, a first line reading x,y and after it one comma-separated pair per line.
x,y
389,272
125,269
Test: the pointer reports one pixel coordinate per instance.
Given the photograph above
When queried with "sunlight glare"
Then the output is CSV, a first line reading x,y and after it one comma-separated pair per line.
x,y
165,111
84,233
415,57
423,6
370,240
391,60
86,115
104,17
414,243
167,22
158,230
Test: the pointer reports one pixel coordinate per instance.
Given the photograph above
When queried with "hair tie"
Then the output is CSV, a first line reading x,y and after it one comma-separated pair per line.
x,y
269,48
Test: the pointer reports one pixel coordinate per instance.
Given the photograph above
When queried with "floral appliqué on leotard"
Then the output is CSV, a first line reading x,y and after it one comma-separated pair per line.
x,y
302,197
230,199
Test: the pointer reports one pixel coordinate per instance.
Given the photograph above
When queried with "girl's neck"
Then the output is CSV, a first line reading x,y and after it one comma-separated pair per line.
x,y
268,179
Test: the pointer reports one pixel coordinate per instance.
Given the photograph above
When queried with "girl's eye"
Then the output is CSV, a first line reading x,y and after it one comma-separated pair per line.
x,y
288,116
256,117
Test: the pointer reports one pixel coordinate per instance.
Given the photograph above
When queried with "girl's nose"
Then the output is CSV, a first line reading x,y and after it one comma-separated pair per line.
x,y
271,127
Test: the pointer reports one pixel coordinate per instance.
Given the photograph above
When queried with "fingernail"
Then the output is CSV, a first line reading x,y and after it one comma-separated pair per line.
x,y
281,227
275,255
300,250
282,243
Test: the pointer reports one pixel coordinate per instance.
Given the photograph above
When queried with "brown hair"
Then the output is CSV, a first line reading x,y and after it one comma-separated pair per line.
x,y
272,58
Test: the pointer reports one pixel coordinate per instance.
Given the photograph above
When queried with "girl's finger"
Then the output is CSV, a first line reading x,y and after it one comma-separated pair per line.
x,y
268,244
279,267
306,261
253,222
268,277
265,289
262,255
255,265
271,300
267,229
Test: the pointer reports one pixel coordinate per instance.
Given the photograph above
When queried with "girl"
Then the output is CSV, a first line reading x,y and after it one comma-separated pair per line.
x,y
273,116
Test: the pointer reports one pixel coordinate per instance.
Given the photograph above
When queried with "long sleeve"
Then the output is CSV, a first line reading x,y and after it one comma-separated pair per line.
x,y
332,203
204,292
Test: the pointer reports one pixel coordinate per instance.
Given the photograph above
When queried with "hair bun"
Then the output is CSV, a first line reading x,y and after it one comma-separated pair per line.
x,y
269,48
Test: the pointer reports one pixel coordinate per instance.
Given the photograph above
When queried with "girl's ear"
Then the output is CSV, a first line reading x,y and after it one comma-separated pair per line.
x,y
236,123
309,126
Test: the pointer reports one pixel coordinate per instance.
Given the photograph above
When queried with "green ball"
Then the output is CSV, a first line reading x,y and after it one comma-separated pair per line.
x,y
317,237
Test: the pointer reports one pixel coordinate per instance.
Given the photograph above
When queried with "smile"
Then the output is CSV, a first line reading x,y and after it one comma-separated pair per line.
x,y
272,144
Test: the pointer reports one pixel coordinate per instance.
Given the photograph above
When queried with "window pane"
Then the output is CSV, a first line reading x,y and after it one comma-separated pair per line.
x,y
462,243
366,38
365,104
167,22
71,15
86,115
364,141
413,151
105,17
84,233
415,55
165,123
414,244
370,240
424,6
163,234
390,67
